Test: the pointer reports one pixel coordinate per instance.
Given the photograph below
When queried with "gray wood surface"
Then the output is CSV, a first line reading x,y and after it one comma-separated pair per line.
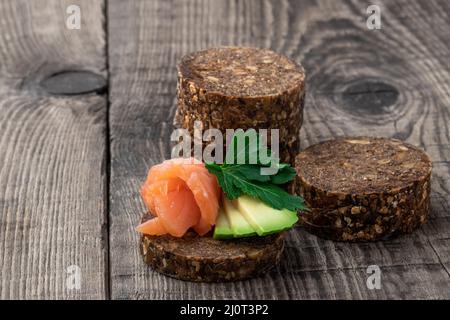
x,y
391,82
52,158
70,170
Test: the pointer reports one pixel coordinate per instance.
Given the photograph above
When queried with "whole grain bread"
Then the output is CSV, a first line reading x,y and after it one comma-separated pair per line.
x,y
238,87
203,259
363,188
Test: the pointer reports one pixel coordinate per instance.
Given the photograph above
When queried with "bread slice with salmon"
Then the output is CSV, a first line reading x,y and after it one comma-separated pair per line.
x,y
195,233
226,221
204,259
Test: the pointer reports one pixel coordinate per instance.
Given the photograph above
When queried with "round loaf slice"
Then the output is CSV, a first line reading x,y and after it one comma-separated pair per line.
x,y
362,188
203,259
239,87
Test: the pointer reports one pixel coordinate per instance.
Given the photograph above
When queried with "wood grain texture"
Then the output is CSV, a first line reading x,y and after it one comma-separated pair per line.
x,y
393,82
52,162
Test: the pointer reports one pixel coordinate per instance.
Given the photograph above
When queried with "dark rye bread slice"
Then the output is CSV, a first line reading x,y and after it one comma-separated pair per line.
x,y
363,188
203,259
238,87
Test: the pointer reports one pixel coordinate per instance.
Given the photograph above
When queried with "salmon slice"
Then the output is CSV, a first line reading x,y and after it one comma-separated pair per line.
x,y
178,212
170,200
152,227
160,188
181,194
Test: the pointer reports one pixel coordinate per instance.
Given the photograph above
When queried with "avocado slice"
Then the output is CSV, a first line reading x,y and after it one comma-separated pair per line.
x,y
264,219
222,230
239,225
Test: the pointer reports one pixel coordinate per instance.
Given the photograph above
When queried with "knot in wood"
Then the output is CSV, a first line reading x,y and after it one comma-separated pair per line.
x,y
74,83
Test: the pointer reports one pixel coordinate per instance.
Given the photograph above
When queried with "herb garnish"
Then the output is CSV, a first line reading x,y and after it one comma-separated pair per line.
x,y
238,179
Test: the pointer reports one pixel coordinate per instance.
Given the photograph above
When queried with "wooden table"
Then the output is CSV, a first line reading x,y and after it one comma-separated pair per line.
x,y
71,165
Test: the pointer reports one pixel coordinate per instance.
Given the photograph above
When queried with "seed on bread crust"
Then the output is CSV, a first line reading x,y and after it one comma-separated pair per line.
x,y
203,259
238,87
363,188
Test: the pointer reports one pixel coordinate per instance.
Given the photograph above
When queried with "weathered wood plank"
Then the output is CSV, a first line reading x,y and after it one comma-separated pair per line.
x,y
388,82
52,163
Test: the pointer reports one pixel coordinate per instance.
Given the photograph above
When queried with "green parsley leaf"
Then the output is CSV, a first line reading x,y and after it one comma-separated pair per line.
x,y
285,174
225,180
237,179
271,194
250,172
246,178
